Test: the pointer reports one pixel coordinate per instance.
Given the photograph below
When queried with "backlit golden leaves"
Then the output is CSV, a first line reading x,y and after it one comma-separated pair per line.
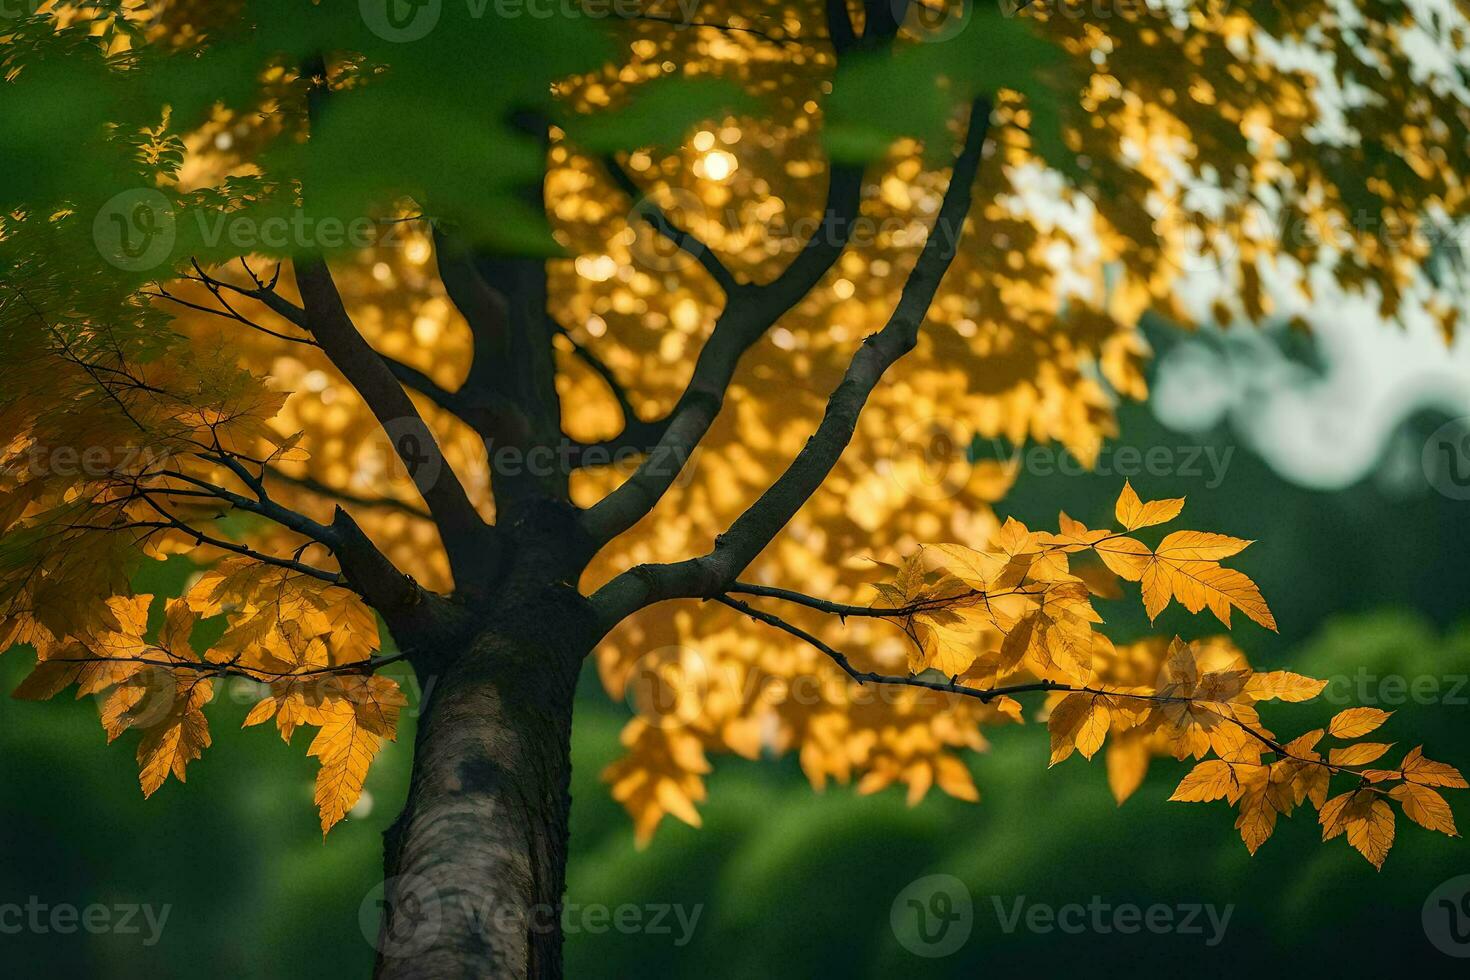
x,y
1299,774
1424,772
292,630
180,738
1283,685
1011,612
1356,722
1366,818
1016,342
995,365
1079,722
1133,513
281,620
283,628
1210,780
135,685
659,775
1026,614
352,730
1185,566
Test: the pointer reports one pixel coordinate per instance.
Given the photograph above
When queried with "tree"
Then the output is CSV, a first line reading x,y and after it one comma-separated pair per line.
x,y
439,318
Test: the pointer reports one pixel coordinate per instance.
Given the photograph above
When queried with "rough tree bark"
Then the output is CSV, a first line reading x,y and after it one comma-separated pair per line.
x,y
475,865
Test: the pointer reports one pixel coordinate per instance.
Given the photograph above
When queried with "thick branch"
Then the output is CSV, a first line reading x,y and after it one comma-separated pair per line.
x,y
364,568
265,293
750,311
485,309
464,534
416,380
839,27
713,573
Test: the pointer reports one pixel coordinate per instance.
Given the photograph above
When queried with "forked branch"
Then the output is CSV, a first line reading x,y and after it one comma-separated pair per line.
x,y
713,573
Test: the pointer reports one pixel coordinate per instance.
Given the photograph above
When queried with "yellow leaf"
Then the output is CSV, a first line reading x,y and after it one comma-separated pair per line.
x,y
1197,584
1200,546
262,711
972,567
1127,761
1417,769
1356,722
1125,557
182,736
49,678
1283,685
1333,815
1358,755
1256,822
1158,588
1369,824
1425,807
1080,722
944,650
1133,513
346,749
1210,780
953,776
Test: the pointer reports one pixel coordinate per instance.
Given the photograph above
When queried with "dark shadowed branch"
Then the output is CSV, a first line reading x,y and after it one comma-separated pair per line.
x,y
467,539
751,310
713,573
685,240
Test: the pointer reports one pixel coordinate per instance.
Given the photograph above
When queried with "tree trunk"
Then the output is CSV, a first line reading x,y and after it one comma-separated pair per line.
x,y
475,866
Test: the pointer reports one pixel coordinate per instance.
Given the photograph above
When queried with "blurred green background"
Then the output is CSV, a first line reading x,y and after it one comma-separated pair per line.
x,y
1368,583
